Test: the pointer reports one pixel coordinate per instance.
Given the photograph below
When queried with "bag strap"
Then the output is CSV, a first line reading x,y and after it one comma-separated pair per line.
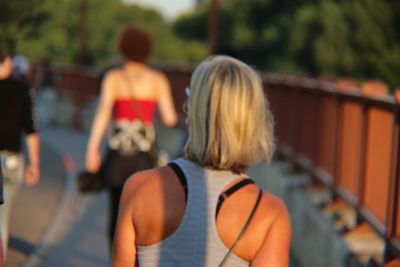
x,y
136,109
246,225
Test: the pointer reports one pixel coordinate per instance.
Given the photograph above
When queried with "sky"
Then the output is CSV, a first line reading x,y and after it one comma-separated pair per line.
x,y
169,8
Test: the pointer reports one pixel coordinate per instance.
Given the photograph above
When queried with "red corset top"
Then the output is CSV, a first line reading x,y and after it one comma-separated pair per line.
x,y
124,109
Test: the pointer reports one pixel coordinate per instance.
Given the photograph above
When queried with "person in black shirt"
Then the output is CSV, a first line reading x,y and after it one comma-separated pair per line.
x,y
16,118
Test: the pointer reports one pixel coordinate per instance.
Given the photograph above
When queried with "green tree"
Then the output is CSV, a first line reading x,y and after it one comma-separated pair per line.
x,y
330,37
55,34
18,19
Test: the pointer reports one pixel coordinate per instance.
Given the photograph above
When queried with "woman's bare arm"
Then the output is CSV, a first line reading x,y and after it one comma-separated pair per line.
x,y
33,169
274,251
165,102
100,123
124,248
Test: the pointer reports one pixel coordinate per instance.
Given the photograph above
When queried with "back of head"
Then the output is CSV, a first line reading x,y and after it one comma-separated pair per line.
x,y
135,44
230,124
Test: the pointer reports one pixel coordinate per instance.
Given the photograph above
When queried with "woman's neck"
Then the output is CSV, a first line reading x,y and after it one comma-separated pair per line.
x,y
133,66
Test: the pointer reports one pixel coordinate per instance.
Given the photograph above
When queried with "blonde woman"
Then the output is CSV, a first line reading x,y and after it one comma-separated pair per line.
x,y
202,209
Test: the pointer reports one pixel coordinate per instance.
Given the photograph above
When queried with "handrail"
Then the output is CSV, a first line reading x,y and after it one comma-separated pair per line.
x,y
348,140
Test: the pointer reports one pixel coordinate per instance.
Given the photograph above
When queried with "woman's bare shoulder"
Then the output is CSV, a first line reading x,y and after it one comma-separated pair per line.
x,y
273,201
141,180
111,78
271,206
157,75
148,184
113,73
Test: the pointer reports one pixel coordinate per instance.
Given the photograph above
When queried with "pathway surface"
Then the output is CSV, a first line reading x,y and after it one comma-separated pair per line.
x,y
52,224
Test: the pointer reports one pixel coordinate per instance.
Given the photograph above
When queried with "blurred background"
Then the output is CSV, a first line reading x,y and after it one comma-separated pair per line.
x,y
358,39
330,70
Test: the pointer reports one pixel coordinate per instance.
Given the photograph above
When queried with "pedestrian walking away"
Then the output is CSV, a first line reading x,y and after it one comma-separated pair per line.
x,y
203,209
130,96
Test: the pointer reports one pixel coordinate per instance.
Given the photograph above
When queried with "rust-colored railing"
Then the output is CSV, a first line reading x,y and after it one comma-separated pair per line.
x,y
348,139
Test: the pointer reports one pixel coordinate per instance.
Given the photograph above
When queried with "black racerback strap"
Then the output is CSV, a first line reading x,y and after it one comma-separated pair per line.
x,y
230,191
222,197
181,177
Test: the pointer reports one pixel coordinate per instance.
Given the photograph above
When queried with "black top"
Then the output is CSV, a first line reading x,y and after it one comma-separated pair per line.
x,y
16,114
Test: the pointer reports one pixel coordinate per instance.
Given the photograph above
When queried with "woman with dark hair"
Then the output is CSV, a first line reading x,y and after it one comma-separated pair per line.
x,y
129,98
202,209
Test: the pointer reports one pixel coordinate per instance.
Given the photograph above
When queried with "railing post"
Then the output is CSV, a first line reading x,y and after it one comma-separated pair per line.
x,y
392,238
361,166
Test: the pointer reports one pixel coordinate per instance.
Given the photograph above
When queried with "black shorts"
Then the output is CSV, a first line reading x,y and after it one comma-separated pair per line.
x,y
117,168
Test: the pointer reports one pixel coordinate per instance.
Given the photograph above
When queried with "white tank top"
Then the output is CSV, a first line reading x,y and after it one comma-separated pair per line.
x,y
196,242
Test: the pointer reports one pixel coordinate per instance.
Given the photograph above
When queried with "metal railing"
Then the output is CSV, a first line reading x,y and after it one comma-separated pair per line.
x,y
346,138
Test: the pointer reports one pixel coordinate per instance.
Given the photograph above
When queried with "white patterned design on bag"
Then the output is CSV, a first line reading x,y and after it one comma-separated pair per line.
x,y
132,136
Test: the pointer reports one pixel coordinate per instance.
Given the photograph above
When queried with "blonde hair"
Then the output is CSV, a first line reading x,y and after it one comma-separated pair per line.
x,y
229,121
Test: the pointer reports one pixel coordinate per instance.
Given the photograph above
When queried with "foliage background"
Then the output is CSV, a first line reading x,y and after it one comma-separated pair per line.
x,y
335,38
50,29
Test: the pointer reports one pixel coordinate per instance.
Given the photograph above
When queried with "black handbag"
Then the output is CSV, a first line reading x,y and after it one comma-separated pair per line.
x,y
90,182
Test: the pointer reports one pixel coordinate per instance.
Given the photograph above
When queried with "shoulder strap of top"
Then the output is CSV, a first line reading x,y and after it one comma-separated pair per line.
x,y
230,191
181,176
246,225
